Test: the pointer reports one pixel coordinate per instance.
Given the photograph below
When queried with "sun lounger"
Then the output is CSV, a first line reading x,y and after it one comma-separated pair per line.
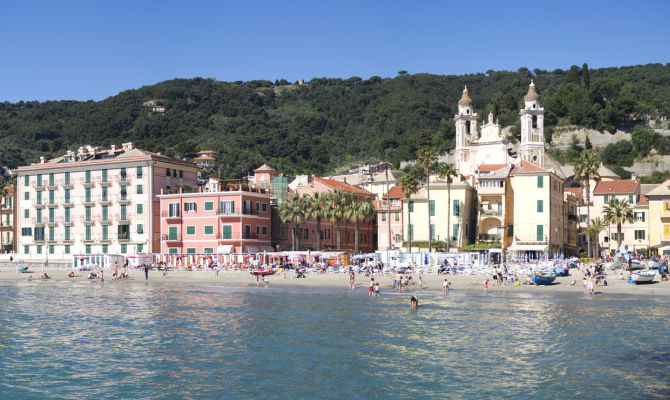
x,y
23,270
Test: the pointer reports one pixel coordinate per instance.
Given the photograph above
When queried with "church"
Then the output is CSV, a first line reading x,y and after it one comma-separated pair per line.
x,y
490,147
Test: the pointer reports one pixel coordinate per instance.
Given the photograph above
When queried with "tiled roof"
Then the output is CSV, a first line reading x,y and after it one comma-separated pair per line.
x,y
647,187
491,167
622,186
395,192
577,192
207,152
264,167
203,158
527,168
343,186
662,189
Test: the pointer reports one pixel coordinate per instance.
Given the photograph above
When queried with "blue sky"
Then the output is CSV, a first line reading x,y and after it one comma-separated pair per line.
x,y
82,50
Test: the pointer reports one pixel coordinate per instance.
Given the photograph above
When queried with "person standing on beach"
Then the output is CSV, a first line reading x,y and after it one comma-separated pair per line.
x,y
486,287
445,287
376,289
371,288
146,272
351,278
421,282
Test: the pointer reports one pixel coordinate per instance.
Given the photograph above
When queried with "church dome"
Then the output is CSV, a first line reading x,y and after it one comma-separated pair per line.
x,y
465,98
532,94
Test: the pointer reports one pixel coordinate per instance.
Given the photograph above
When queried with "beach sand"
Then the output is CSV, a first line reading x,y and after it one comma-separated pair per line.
x,y
432,282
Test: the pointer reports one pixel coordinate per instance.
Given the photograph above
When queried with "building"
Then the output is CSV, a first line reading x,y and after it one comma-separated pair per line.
x,y
206,159
95,201
215,222
8,221
263,177
158,109
378,182
570,223
390,219
424,221
310,185
659,217
496,204
634,236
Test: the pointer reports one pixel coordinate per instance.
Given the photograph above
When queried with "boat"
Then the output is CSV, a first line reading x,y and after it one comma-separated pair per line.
x,y
614,264
263,272
653,264
562,270
543,277
637,264
643,276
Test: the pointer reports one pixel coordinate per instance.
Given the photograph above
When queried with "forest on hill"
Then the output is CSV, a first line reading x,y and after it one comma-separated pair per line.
x,y
326,123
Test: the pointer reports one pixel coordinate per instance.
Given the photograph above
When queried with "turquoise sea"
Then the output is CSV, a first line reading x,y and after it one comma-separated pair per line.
x,y
142,340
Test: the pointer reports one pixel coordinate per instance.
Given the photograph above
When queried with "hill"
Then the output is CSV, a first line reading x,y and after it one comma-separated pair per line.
x,y
326,122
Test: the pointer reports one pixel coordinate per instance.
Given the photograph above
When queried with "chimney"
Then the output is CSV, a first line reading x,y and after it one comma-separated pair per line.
x,y
113,147
181,189
161,190
128,146
43,160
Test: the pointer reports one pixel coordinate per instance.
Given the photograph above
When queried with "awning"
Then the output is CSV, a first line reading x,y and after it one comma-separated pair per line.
x,y
527,247
225,249
251,249
266,248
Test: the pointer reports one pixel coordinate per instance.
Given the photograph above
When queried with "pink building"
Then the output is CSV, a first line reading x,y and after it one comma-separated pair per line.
x,y
215,222
389,215
95,201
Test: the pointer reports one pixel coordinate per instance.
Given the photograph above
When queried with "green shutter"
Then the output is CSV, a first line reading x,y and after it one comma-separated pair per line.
x,y
140,209
209,229
26,182
190,230
510,230
456,208
643,216
630,198
455,232
432,208
540,181
227,232
172,232
209,205
411,232
432,232
540,206
411,206
540,233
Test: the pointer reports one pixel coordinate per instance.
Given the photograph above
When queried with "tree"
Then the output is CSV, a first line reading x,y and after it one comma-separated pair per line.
x,y
315,207
447,172
293,210
617,212
357,211
593,230
586,79
573,75
587,143
586,169
336,210
426,156
409,185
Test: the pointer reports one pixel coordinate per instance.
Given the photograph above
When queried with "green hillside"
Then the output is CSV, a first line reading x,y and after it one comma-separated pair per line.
x,y
325,123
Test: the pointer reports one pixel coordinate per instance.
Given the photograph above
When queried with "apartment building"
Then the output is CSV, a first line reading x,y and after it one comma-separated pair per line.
x,y
8,221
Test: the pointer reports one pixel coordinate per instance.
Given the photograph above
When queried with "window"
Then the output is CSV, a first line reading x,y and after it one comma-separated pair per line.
x,y
167,172
190,206
540,233
88,249
67,178
258,207
247,231
247,207
39,215
67,214
52,216
139,172
39,197
140,228
124,192
172,233
639,235
582,218
26,181
411,231
67,233
181,173
510,230
105,232
104,175
265,207
209,250
67,249
26,213
639,216
540,181
227,232
432,232
209,229
432,208
88,232
124,248
190,230
140,247
397,216
88,195
26,196
227,207
411,206
174,172
104,248
456,208
51,233
51,179
383,217
39,180
26,249
630,198
305,231
173,209
39,249
172,250
540,206
105,213
500,208
67,195
209,205
123,174
140,209
88,176
88,213
139,189
265,230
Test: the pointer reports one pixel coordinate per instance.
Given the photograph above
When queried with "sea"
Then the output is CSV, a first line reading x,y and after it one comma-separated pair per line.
x,y
139,340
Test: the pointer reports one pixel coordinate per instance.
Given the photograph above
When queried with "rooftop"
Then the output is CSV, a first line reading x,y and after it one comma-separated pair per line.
x,y
265,167
395,192
532,94
662,189
527,168
622,186
343,186
465,98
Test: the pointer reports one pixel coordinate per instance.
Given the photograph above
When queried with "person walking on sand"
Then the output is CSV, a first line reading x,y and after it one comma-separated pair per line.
x,y
371,288
146,272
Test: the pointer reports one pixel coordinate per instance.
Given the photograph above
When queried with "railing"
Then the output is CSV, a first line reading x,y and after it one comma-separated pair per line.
x,y
166,214
486,237
123,237
85,182
171,238
226,213
491,212
250,236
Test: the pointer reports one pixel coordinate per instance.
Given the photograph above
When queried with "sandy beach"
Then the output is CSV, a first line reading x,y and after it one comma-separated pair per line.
x,y
432,282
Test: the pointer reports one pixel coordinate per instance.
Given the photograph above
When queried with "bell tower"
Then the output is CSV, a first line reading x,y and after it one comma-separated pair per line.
x,y
531,148
466,130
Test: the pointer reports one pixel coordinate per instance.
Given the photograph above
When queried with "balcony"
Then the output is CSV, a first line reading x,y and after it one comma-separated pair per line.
x,y
40,203
52,204
52,222
383,205
251,236
123,179
68,222
65,185
52,185
67,202
104,200
227,213
87,183
665,209
104,220
167,215
39,185
123,219
486,237
171,238
572,217
38,221
124,199
104,182
52,240
38,239
123,237
87,221
88,201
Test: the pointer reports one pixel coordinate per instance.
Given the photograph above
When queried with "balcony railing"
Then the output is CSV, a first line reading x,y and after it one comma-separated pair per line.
x,y
487,237
227,213
171,238
166,214
491,212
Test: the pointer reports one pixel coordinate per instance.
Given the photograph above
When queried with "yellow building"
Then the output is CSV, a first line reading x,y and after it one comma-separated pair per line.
x,y
421,227
659,218
495,197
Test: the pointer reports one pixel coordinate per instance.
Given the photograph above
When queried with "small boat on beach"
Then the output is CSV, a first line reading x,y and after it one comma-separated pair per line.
x,y
614,264
643,276
543,277
263,272
653,264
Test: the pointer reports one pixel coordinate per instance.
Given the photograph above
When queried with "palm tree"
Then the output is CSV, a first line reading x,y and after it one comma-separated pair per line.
x,y
409,185
359,211
593,230
336,210
586,169
315,207
426,156
618,212
292,210
447,172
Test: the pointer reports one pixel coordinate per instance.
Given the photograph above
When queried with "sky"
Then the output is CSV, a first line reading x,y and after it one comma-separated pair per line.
x,y
90,50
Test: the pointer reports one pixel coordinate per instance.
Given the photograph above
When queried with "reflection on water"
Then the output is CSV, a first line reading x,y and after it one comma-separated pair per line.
x,y
139,340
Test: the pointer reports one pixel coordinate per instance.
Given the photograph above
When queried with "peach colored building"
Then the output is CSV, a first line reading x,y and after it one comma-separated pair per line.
x,y
389,215
95,201
215,222
308,230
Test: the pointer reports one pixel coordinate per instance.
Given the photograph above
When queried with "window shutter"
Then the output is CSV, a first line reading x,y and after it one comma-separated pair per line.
x,y
540,233
456,208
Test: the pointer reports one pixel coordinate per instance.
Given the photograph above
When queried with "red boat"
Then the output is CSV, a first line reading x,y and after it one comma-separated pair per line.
x,y
263,272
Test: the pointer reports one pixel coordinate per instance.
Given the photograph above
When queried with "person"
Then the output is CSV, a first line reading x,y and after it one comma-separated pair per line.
x,y
351,278
413,303
30,278
445,287
70,275
486,286
371,288
265,280
421,282
146,272
45,276
102,277
376,289
589,287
